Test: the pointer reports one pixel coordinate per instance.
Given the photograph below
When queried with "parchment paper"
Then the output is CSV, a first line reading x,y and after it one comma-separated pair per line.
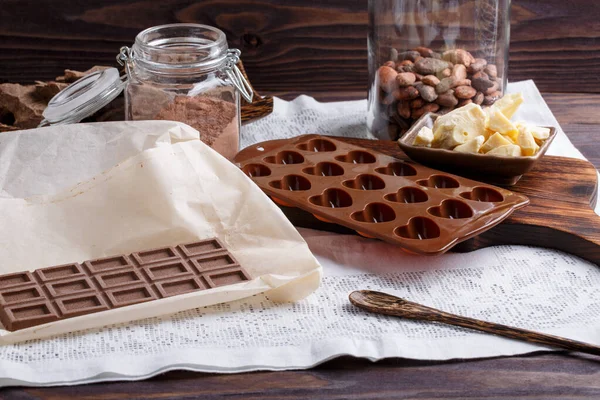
x,y
176,192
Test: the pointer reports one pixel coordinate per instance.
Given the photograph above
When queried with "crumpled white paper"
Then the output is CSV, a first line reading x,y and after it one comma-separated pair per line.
x,y
171,194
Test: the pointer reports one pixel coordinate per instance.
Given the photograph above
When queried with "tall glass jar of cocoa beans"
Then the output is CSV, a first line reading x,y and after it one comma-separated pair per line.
x,y
433,56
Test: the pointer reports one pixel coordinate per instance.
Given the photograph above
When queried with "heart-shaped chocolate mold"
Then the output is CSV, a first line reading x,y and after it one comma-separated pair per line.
x,y
439,182
397,169
365,182
407,195
375,213
293,183
357,157
256,170
317,145
332,198
285,157
325,169
480,193
419,228
452,209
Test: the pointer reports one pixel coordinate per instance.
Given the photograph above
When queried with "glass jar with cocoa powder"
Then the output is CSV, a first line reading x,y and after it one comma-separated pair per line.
x,y
187,73
433,56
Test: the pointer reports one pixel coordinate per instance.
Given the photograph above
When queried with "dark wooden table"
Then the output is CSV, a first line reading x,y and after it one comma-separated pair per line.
x,y
534,376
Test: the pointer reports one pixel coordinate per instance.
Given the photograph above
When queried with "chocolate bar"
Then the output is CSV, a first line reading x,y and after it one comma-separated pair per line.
x,y
64,291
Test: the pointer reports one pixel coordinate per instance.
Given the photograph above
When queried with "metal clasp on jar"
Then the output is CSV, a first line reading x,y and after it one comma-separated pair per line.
x,y
230,68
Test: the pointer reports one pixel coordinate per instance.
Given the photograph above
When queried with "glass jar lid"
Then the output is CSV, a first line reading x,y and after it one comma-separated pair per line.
x,y
83,98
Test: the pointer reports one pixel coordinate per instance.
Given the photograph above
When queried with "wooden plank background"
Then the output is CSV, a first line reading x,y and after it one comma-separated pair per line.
x,y
289,46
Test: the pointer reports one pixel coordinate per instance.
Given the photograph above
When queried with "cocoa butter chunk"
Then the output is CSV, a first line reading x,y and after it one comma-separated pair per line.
x,y
405,78
464,92
429,66
430,80
427,93
387,78
458,56
447,99
445,85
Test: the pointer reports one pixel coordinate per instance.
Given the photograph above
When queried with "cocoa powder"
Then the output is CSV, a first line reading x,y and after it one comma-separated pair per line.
x,y
215,119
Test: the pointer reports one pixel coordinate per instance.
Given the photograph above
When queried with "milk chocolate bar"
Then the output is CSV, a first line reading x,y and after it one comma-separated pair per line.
x,y
49,294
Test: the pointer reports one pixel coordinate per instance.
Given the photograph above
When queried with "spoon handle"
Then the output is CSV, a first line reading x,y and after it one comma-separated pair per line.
x,y
384,303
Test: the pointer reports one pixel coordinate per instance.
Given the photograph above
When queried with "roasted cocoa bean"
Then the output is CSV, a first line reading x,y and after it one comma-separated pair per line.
x,y
464,92
458,56
406,93
491,89
481,82
478,99
393,54
390,97
447,99
430,80
428,66
491,70
459,71
404,109
417,103
405,78
418,112
387,78
424,51
478,65
444,73
464,102
462,82
409,55
445,85
427,92
406,62
390,64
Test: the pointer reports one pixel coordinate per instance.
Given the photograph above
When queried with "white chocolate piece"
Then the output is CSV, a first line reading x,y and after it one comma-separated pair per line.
x,y
458,126
498,122
527,143
508,104
424,137
496,140
509,150
471,145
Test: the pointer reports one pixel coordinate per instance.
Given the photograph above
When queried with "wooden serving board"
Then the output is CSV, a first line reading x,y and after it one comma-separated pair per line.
x,y
560,216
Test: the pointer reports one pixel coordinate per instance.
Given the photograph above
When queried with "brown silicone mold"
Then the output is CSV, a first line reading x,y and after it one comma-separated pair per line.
x,y
420,209
499,170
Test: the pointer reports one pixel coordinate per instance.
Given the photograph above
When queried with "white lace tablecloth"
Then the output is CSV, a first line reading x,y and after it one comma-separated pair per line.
x,y
533,288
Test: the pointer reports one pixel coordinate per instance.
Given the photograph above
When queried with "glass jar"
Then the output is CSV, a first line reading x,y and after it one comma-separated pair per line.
x,y
186,73
433,56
